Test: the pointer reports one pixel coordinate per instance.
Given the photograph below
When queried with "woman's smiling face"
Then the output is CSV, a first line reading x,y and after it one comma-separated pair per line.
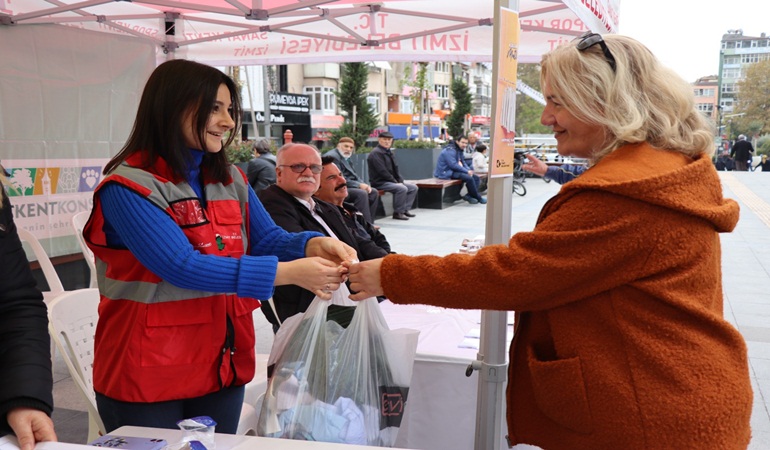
x,y
573,137
218,125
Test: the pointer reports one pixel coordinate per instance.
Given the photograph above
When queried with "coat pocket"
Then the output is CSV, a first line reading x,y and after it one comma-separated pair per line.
x,y
181,333
560,393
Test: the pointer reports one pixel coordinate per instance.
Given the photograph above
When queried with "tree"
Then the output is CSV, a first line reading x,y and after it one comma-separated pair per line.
x,y
753,100
461,94
360,117
420,85
528,111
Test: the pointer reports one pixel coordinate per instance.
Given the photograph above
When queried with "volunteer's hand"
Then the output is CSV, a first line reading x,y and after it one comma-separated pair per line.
x,y
31,426
318,275
365,187
331,249
534,165
365,279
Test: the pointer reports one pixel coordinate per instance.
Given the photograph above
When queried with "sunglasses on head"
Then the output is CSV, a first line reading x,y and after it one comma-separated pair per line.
x,y
299,168
589,39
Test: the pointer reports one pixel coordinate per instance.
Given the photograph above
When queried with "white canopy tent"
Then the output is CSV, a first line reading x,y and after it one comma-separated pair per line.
x,y
230,32
233,32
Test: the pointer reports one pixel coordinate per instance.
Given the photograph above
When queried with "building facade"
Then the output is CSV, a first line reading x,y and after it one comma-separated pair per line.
x,y
737,53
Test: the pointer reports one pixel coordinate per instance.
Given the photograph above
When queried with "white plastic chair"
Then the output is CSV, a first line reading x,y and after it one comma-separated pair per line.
x,y
49,273
51,277
72,318
78,223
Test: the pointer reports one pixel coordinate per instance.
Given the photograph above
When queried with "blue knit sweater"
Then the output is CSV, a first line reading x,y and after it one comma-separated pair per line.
x,y
160,245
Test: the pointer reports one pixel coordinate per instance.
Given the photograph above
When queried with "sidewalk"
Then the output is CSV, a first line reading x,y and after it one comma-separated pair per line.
x,y
746,278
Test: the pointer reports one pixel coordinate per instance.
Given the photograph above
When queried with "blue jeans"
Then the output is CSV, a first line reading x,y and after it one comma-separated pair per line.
x,y
223,406
471,183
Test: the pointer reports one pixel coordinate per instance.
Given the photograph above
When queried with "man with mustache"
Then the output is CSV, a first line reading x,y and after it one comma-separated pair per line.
x,y
360,194
334,189
291,204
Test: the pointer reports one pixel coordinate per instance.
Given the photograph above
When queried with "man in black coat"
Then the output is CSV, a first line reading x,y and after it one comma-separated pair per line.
x,y
291,204
26,399
383,174
334,190
360,194
741,152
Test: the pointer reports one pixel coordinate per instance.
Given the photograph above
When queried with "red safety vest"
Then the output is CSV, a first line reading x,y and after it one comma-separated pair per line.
x,y
156,341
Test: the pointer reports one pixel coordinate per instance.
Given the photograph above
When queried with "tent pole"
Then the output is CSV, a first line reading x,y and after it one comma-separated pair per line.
x,y
491,428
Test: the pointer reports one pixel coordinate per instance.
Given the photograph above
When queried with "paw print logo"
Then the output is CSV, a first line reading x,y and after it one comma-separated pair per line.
x,y
89,178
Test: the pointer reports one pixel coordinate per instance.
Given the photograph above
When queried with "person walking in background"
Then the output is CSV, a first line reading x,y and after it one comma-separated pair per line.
x,y
561,174
26,399
451,166
260,171
742,151
383,174
184,251
625,346
360,194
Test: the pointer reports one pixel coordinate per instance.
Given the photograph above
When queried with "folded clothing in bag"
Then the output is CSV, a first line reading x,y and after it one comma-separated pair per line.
x,y
338,384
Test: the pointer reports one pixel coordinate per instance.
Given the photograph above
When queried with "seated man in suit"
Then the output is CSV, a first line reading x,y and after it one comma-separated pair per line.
x,y
334,190
360,194
291,204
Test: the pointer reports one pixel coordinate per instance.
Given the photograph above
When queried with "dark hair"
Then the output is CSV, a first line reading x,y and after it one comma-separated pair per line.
x,y
262,146
326,160
460,137
177,88
480,147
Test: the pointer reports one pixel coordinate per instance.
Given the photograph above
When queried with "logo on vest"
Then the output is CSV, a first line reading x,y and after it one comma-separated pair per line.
x,y
220,243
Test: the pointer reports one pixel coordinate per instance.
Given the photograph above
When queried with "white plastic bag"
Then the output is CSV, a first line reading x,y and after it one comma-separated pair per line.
x,y
335,382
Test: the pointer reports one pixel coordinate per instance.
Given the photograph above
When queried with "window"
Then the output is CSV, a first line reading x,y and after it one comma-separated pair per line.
x,y
703,92
705,107
750,58
406,105
728,88
731,72
322,99
442,91
442,67
374,100
732,60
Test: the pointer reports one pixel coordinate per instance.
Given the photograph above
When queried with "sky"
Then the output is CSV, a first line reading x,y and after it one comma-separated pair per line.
x,y
686,34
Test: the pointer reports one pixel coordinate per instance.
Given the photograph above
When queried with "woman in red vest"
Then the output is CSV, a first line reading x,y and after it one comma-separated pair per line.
x,y
184,252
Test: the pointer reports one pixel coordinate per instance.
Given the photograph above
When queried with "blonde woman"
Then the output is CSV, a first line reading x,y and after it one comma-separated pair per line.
x,y
26,399
624,345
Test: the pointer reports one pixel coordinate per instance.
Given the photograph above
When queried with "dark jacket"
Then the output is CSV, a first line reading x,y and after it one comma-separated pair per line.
x,y
291,215
352,178
355,220
450,160
261,173
382,167
742,151
25,356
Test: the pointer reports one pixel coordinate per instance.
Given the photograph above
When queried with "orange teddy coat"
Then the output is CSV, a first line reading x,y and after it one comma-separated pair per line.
x,y
620,341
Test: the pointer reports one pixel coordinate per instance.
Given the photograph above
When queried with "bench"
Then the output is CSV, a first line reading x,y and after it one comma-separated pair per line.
x,y
435,193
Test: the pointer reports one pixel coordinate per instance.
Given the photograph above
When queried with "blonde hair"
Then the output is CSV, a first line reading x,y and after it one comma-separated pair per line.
x,y
642,101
